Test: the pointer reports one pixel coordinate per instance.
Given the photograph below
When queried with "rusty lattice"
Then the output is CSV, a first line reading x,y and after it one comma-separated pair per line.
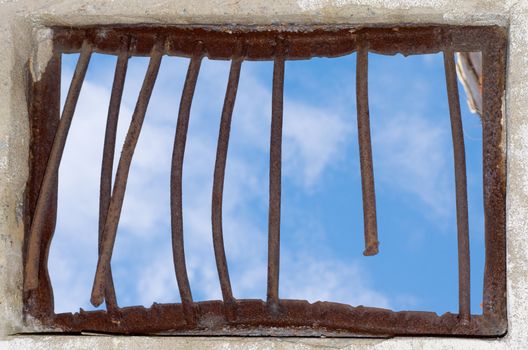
x,y
274,316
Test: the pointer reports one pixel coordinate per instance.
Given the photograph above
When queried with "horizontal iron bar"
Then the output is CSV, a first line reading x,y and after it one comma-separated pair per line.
x,y
220,42
296,318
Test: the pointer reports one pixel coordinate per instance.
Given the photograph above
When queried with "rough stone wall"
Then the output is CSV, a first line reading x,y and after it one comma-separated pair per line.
x,y
23,37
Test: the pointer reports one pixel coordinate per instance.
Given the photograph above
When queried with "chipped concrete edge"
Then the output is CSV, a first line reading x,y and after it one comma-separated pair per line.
x,y
41,55
13,174
24,45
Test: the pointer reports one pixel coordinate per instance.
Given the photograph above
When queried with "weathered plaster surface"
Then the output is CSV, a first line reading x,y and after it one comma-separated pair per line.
x,y
140,343
260,12
24,38
13,173
517,190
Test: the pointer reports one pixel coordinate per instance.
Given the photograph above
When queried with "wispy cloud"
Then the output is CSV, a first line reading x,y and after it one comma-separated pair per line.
x,y
411,153
314,141
324,278
156,281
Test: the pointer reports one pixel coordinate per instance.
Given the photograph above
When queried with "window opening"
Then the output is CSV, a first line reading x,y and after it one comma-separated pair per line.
x,y
274,315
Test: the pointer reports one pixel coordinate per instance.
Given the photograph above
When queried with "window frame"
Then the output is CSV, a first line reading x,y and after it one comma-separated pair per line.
x,y
295,317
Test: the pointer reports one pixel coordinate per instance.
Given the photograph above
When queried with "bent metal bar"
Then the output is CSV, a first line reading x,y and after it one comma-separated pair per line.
x,y
274,316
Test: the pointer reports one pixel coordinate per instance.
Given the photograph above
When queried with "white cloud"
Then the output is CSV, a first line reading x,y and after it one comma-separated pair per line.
x,y
320,278
313,140
73,252
145,209
69,276
411,153
156,282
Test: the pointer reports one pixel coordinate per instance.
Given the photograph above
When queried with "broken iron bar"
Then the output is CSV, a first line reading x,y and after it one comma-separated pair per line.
x,y
365,153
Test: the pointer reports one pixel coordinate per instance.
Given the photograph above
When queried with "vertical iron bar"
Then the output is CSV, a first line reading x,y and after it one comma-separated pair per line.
x,y
180,139
218,182
52,168
275,184
365,154
494,178
44,111
460,185
107,164
118,193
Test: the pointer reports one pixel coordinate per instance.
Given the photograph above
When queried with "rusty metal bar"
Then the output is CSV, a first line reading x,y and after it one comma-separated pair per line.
x,y
494,179
218,181
51,173
304,42
118,193
296,318
44,115
107,164
365,154
176,202
275,184
457,131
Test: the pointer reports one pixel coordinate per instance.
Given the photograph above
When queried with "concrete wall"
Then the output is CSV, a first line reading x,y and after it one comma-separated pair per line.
x,y
23,36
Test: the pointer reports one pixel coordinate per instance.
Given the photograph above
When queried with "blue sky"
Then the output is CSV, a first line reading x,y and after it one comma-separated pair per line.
x,y
321,228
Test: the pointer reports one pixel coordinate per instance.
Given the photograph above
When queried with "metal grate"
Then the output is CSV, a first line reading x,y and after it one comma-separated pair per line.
x,y
274,316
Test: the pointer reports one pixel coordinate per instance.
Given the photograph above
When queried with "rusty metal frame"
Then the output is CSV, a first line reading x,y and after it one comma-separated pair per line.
x,y
274,316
